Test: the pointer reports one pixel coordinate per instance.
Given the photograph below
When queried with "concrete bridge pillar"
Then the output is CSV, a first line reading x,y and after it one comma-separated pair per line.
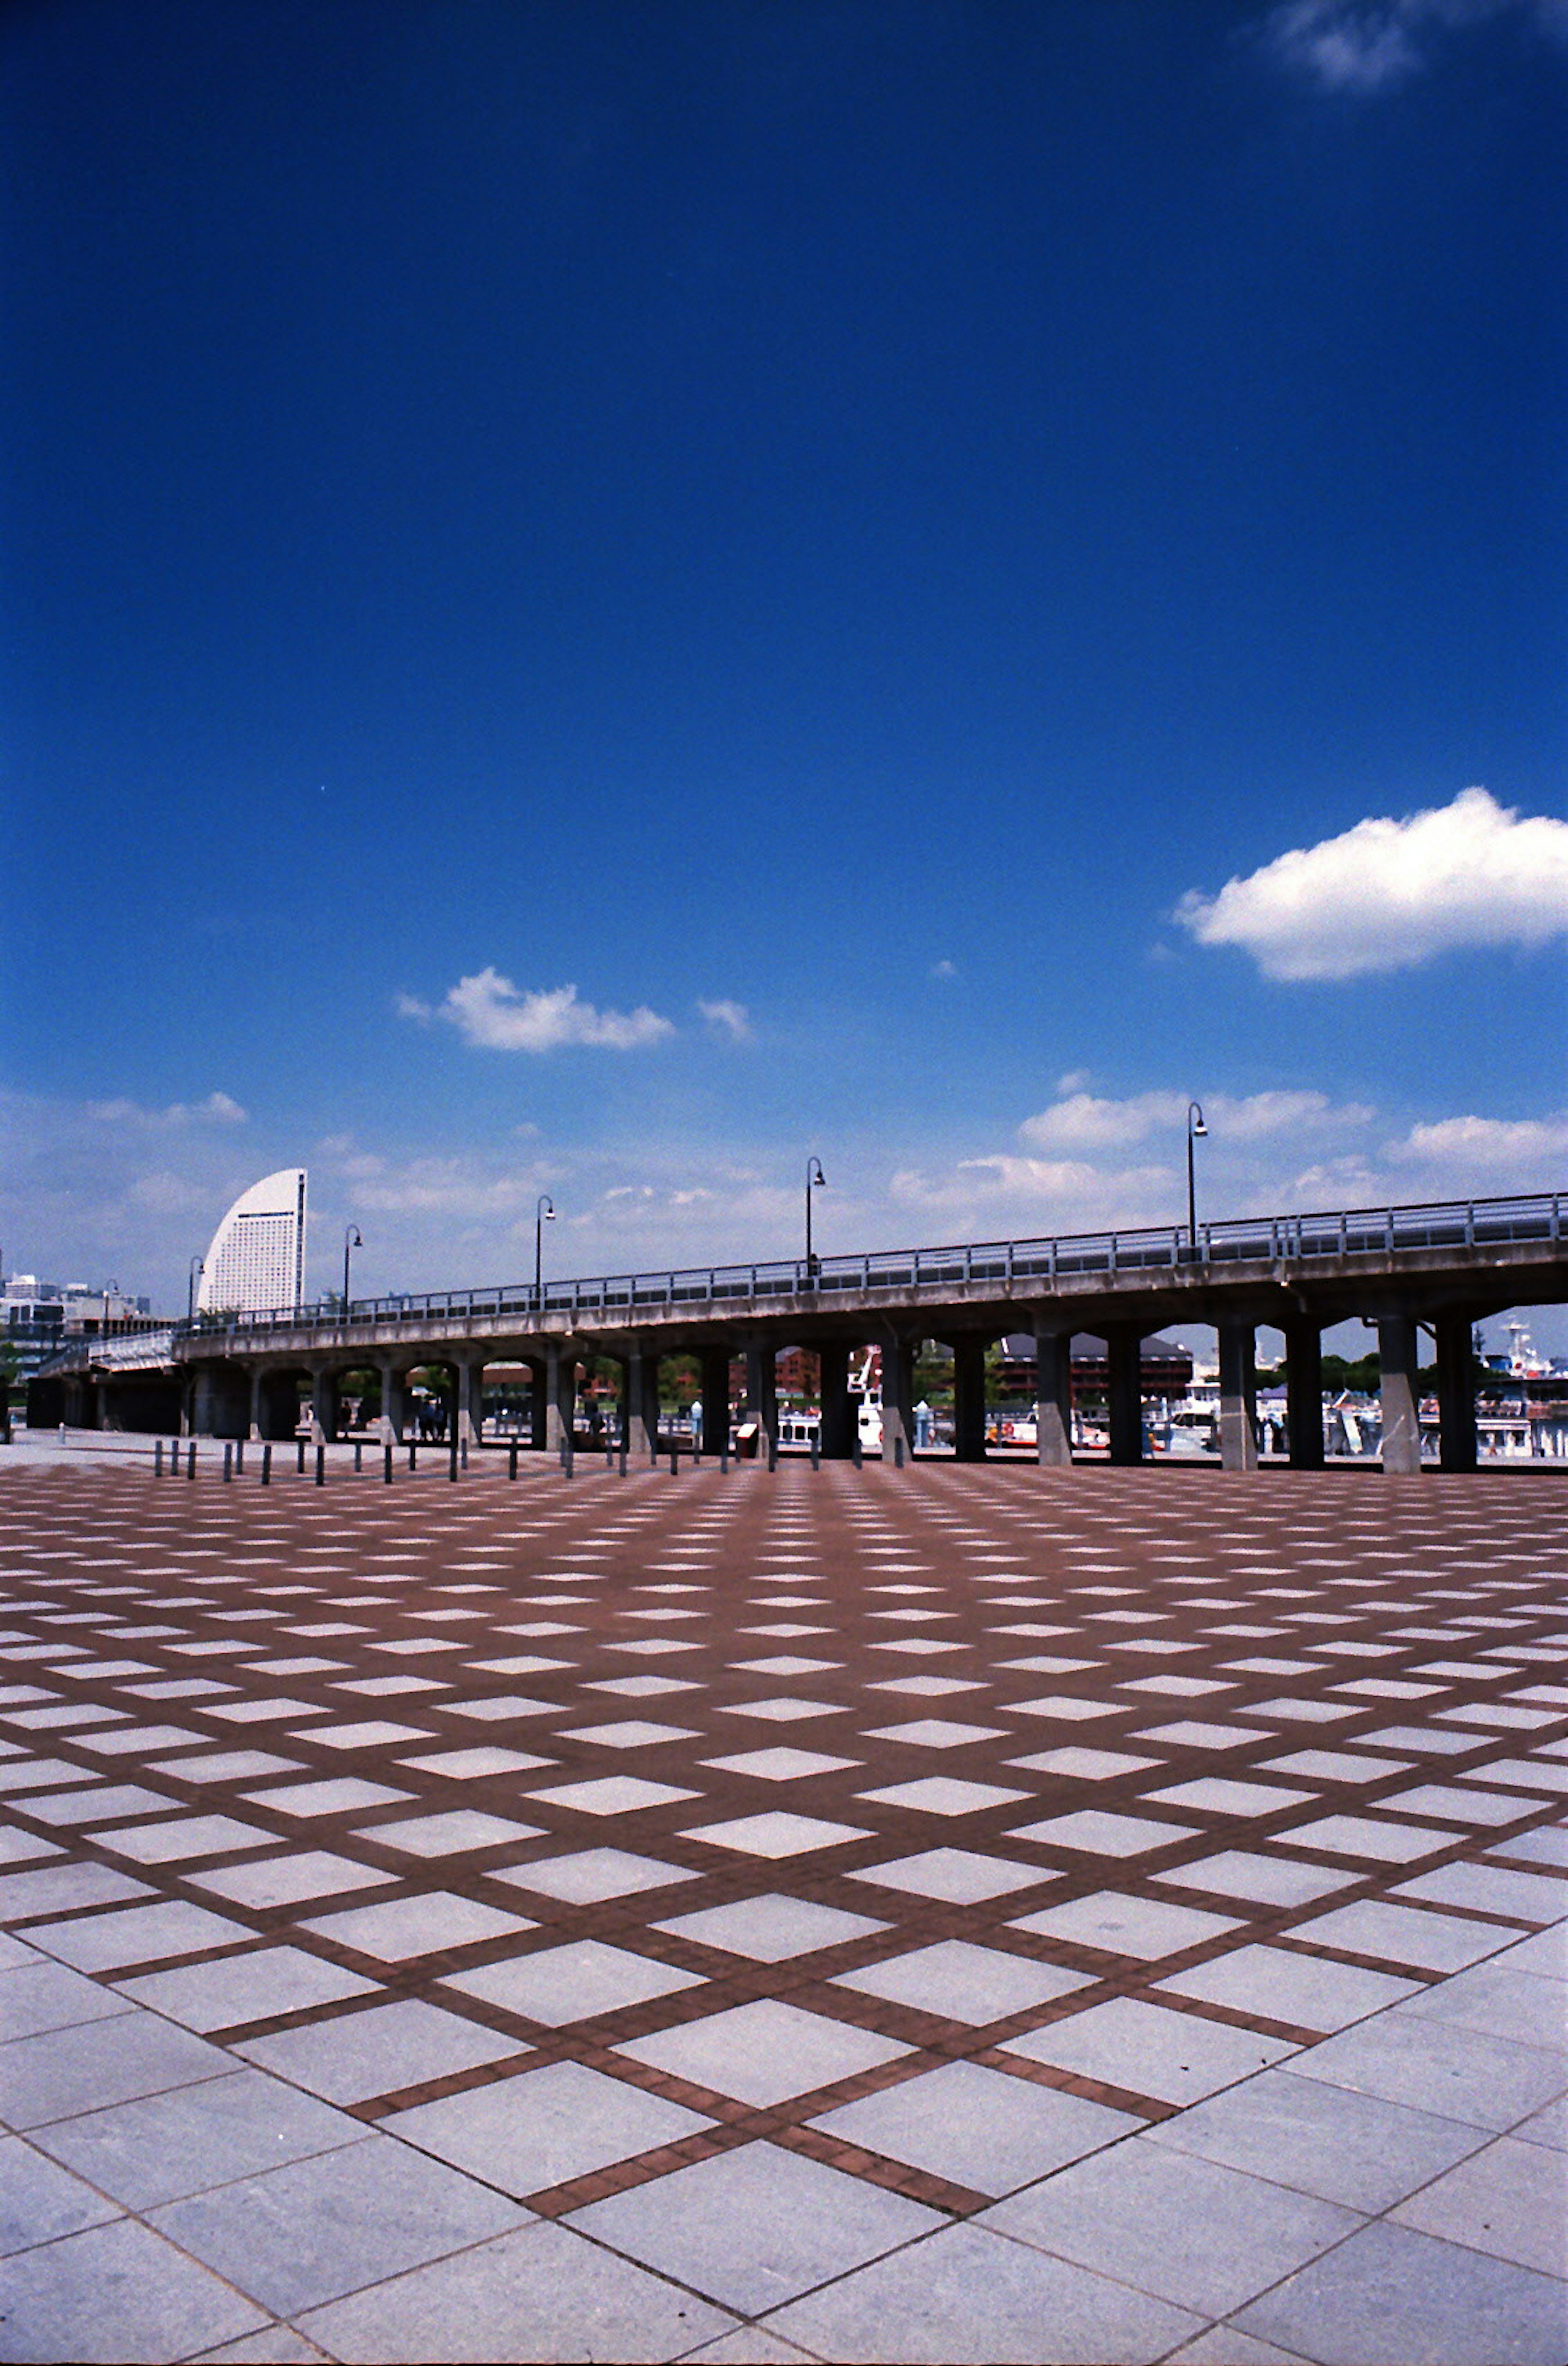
x,y
969,1397
1125,1390
1456,1394
763,1393
1239,1393
323,1406
897,1401
561,1395
714,1365
1303,1393
470,1375
254,1427
537,1385
1401,1412
640,1404
1053,1399
394,1404
837,1414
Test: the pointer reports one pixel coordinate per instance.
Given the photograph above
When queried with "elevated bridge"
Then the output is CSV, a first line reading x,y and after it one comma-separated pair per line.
x,y
1442,1267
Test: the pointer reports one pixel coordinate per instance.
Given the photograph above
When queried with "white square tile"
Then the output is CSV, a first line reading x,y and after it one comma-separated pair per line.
x,y
589,1875
776,1835
772,1929
611,1795
763,2053
964,1982
1122,1925
943,1794
780,1766
976,2127
453,1833
430,1924
572,1983
1100,1832
1174,2056
958,1876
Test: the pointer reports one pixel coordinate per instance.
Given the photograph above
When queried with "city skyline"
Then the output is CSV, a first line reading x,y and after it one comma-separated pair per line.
x,y
615,601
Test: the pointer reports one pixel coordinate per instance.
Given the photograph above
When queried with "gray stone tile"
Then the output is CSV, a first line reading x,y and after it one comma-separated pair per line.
x,y
62,1889
589,1875
958,1876
320,2228
1117,1924
237,1989
356,2056
976,2127
1459,2073
450,1833
1492,1889
1405,1935
771,1930
1503,2003
289,1880
970,2294
71,2070
558,1985
160,2146
754,2227
114,2294
764,2052
1151,2050
1100,1831
1223,2345
545,2127
39,2202
1354,2149
964,1982
430,1923
1303,1991
136,1934
182,1838
541,2295
1175,2225
1390,2295
1267,1880
1548,2127
749,2347
278,2345
42,1995
1509,2200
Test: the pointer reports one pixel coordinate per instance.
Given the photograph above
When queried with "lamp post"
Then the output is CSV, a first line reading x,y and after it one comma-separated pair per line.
x,y
815,1179
351,1241
198,1265
544,1213
1195,1128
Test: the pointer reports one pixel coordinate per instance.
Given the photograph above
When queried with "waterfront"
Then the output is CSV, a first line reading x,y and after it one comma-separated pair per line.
x,y
968,1914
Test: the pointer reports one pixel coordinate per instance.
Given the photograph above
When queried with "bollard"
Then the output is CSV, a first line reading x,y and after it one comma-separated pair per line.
x,y
320,1466
300,1444
898,1454
622,1460
387,1463
227,1461
772,1450
674,1459
414,1450
190,1460
157,1457
452,1461
174,1457
609,1453
358,1455
817,1453
463,1453
266,1462
240,1455
855,1453
512,1460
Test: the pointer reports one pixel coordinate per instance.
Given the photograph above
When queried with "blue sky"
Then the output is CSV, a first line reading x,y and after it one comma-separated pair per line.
x,y
604,597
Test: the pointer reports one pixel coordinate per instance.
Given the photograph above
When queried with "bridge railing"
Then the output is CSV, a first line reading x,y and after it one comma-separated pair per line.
x,y
1461,1224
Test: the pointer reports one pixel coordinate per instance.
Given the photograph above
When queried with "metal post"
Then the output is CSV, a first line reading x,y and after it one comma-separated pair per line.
x,y
674,1457
898,1451
452,1458
299,1443
414,1455
320,1466
190,1460
157,1457
568,1453
817,1450
386,1462
239,1455
227,1460
512,1460
266,1462
358,1455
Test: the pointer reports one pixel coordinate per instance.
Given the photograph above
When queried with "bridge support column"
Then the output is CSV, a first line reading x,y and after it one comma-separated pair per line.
x,y
1238,1394
897,1401
969,1397
561,1395
1401,1412
255,1429
394,1404
1125,1390
1456,1394
1053,1399
762,1394
714,1365
537,1393
837,1414
470,1401
1303,1393
323,1406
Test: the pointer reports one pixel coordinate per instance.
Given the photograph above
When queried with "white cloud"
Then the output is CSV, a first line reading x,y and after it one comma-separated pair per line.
x,y
489,1011
944,969
1366,46
1483,1144
217,1109
731,1018
1388,895
1082,1121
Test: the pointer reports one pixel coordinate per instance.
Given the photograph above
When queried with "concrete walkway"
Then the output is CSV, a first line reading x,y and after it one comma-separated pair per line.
x,y
959,1918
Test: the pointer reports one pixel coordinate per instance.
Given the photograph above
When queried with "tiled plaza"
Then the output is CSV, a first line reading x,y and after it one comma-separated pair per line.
x,y
967,1915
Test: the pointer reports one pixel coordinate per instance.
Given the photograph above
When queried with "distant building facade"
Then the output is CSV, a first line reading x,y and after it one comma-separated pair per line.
x,y
36,1317
255,1264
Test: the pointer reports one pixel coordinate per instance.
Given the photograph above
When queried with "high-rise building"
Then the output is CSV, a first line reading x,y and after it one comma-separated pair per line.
x,y
256,1262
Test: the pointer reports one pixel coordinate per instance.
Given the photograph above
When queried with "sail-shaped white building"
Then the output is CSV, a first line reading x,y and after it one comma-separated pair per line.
x,y
256,1262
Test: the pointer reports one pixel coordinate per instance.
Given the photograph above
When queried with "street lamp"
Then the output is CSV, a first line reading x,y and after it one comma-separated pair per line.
x,y
1195,1129
544,1213
815,1179
198,1265
351,1240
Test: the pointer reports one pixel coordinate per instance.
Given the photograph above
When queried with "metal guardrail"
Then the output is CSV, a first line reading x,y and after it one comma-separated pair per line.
x,y
1468,1224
